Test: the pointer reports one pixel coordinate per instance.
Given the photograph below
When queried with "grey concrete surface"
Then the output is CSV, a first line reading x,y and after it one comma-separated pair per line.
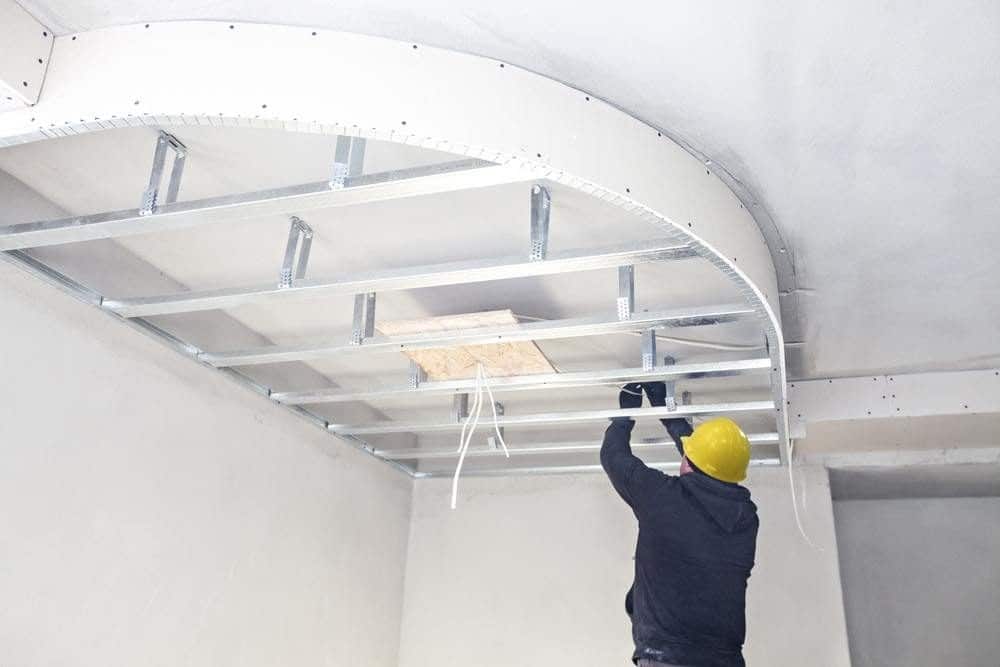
x,y
921,580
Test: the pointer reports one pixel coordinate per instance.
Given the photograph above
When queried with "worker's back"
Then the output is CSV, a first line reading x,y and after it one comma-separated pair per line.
x,y
697,537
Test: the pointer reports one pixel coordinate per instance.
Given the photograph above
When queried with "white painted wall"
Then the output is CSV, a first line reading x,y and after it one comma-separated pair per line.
x,y
532,571
154,513
921,580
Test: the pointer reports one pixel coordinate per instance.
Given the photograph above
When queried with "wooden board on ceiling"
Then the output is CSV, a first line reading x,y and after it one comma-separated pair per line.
x,y
453,363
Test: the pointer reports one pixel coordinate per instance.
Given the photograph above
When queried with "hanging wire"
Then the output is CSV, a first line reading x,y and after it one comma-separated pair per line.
x,y
795,503
471,423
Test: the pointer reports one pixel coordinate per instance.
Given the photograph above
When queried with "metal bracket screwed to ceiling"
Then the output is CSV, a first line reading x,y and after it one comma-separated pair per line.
x,y
151,196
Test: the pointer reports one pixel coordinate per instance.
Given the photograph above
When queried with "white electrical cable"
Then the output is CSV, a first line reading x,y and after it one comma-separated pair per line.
x,y
470,425
795,504
472,421
465,422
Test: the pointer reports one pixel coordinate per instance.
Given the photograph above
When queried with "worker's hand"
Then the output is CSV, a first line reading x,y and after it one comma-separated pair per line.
x,y
657,393
630,396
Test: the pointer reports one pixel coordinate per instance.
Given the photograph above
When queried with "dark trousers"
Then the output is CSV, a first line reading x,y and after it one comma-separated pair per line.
x,y
653,663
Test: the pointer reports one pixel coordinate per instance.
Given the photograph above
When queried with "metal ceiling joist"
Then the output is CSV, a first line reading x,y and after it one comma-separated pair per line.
x,y
530,382
545,330
558,418
544,448
569,470
434,275
399,184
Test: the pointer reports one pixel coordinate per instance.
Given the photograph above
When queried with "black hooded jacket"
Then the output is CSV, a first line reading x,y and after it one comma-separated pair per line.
x,y
697,538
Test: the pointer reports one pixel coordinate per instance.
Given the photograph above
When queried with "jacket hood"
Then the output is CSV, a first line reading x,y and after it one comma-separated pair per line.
x,y
728,505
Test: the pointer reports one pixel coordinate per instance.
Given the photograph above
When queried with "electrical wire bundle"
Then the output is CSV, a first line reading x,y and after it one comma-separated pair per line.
x,y
471,423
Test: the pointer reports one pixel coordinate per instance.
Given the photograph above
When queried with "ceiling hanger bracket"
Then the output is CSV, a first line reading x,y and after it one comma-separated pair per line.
x,y
151,196
418,376
364,318
348,161
293,267
671,385
541,206
648,349
626,292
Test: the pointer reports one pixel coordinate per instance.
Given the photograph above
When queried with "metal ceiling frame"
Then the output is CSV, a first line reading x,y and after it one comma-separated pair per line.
x,y
539,263
674,196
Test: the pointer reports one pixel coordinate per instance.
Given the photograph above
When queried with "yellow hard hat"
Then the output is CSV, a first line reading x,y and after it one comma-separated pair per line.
x,y
719,448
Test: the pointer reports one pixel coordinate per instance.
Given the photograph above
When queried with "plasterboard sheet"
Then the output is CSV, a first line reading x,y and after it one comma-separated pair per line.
x,y
958,392
24,56
838,398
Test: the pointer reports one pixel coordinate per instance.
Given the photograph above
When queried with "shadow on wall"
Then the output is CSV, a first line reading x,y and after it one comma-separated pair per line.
x,y
920,563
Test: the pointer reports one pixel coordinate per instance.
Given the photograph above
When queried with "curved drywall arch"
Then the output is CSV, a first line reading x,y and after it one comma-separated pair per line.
x,y
303,80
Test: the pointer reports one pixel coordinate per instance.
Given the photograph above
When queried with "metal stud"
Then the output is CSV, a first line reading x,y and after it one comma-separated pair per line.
x,y
541,205
150,197
348,161
297,248
626,292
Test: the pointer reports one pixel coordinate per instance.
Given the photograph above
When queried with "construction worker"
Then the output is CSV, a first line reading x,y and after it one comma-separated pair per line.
x,y
697,537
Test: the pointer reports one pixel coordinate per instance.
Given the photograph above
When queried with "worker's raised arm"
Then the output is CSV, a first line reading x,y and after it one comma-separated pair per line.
x,y
632,479
677,427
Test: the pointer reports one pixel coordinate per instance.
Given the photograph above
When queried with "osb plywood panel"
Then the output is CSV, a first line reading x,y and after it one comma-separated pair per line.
x,y
499,359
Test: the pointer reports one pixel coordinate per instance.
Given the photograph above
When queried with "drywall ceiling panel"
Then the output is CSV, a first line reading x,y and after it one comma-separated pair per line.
x,y
866,130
